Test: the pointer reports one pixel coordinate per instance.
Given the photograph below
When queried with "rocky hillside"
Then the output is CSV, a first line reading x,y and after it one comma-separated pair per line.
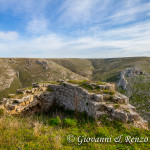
x,y
16,73
135,83
21,72
132,75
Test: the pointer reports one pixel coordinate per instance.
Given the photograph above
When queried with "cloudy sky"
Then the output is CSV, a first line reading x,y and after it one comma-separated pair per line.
x,y
74,28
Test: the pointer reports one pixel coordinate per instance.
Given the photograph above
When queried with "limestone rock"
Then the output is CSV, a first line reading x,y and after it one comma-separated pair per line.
x,y
98,97
43,63
121,99
76,98
107,87
35,85
11,107
120,115
129,72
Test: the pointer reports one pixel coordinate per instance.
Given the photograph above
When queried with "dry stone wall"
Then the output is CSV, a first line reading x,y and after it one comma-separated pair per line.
x,y
73,97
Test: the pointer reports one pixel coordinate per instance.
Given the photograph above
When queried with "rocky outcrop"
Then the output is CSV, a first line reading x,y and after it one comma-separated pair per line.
x,y
6,79
43,63
101,100
130,72
74,97
135,83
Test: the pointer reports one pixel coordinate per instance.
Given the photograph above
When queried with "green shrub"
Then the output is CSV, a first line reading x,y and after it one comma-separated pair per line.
x,y
53,82
74,81
84,81
50,89
100,83
116,106
69,122
28,88
55,121
78,82
110,92
15,101
86,86
1,111
20,96
11,96
64,84
135,132
118,125
104,120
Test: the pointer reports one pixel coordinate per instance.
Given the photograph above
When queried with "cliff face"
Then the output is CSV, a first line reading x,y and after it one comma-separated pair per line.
x,y
129,73
96,99
136,84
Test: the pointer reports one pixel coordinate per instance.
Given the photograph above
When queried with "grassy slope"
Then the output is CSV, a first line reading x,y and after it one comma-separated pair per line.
x,y
140,94
103,69
82,67
109,69
45,132
33,72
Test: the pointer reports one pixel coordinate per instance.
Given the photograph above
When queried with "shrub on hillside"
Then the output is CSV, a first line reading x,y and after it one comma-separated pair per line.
x,y
55,121
1,112
69,122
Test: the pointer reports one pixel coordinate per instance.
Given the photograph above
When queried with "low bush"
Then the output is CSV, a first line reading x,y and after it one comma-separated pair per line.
x,y
1,112
50,89
116,106
55,121
110,92
69,122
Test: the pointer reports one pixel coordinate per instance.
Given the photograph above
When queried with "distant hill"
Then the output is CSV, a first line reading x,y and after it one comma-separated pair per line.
x,y
109,69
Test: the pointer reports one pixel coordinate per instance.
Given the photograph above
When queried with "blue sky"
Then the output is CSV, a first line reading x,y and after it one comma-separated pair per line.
x,y
74,28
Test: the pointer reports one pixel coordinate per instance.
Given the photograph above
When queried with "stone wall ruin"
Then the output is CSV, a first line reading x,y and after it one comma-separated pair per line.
x,y
76,98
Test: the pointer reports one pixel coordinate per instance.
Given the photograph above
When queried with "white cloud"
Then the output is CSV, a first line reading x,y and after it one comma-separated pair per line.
x,y
136,31
129,12
77,11
8,36
101,12
94,41
130,41
37,26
